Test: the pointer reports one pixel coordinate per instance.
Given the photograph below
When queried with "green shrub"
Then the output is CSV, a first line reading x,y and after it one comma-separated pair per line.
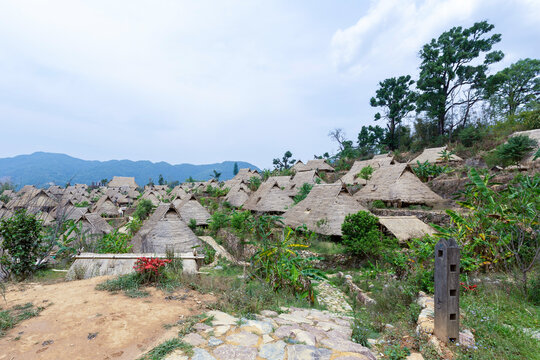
x,y
134,225
396,352
144,208
425,170
513,151
23,244
534,289
470,135
113,243
240,222
378,204
302,193
218,220
192,224
361,235
365,173
254,183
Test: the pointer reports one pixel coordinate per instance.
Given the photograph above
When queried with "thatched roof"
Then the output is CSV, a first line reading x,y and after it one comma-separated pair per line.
x,y
45,217
34,200
398,185
433,155
273,195
189,208
243,175
106,205
123,182
532,134
351,178
69,212
152,196
316,164
238,194
164,230
323,210
178,192
94,224
406,228
304,177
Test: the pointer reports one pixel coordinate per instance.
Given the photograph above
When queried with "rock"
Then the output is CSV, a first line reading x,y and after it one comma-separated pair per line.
x,y
201,327
535,334
221,330
285,331
307,352
258,327
342,333
219,267
213,341
243,338
352,357
341,345
315,331
221,318
194,339
229,352
389,326
269,313
415,356
267,339
201,354
303,336
295,318
466,338
176,355
273,351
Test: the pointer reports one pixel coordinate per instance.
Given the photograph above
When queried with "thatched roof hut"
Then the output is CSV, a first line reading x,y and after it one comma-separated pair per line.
x,y
317,164
323,210
69,212
397,185
238,194
106,205
46,218
304,177
274,195
153,196
123,182
95,225
165,230
405,228
352,178
178,192
243,175
433,155
189,208
34,200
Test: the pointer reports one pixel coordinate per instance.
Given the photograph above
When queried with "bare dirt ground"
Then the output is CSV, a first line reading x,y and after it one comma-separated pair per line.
x,y
80,322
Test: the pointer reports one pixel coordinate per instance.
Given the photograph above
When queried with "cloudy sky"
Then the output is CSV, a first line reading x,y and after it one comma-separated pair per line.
x,y
207,81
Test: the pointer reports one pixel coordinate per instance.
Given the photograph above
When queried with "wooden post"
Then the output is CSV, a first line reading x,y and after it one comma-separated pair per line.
x,y
447,290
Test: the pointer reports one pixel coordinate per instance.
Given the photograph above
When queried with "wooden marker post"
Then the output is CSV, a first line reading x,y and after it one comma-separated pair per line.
x,y
447,290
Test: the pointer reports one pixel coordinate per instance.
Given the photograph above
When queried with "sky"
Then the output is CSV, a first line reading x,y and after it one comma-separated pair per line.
x,y
209,81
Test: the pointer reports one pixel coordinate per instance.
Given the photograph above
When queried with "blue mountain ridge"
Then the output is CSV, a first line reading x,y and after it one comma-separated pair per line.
x,y
42,169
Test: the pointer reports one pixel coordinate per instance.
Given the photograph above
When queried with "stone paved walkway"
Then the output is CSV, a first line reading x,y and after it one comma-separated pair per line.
x,y
295,334
333,298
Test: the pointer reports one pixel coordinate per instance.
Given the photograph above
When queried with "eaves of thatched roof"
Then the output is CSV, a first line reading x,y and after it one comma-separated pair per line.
x,y
433,155
405,228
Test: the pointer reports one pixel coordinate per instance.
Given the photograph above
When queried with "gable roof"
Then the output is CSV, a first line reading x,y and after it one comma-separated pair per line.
x,y
95,224
351,178
123,182
271,196
432,155
106,205
323,210
405,228
238,194
397,184
315,164
189,208
164,230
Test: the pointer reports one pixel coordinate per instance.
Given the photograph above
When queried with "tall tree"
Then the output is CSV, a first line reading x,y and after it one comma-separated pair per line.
x,y
235,169
338,135
398,100
161,180
216,175
285,163
451,73
371,140
515,86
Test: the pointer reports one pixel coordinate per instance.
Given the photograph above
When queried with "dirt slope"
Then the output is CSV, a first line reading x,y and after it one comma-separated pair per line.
x,y
125,327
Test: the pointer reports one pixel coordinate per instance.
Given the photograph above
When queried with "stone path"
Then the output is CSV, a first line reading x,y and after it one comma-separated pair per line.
x,y
295,334
333,298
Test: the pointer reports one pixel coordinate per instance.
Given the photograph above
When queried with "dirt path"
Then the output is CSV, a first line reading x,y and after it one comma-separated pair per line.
x,y
125,327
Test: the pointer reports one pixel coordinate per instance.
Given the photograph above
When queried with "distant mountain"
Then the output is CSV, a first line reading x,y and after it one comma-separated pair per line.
x,y
41,169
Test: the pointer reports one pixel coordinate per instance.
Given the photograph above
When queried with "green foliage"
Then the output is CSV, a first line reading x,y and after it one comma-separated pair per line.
x,y
254,183
161,180
278,263
365,173
143,210
114,243
395,96
162,350
192,224
378,204
215,175
11,317
134,225
303,192
285,163
450,63
513,151
241,222
396,352
82,204
6,185
235,169
216,191
23,244
426,171
446,155
514,86
218,220
470,135
361,235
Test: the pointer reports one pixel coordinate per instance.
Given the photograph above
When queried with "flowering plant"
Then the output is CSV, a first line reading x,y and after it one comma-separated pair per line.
x,y
150,268
468,287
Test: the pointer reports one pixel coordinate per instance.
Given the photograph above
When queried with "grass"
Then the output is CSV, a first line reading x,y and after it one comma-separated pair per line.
x,y
327,247
162,350
11,317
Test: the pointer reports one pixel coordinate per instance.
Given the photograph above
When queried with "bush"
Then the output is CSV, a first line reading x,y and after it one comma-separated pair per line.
x,y
470,136
192,224
378,204
302,193
365,173
23,241
150,269
240,222
218,220
113,243
144,208
254,183
361,235
425,170
513,151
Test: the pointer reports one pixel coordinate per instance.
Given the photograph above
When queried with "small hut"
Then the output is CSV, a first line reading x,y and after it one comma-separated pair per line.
x,y
34,201
94,225
243,175
352,178
317,164
405,228
433,155
165,230
189,208
238,194
304,177
123,182
106,206
323,210
273,196
153,196
398,186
